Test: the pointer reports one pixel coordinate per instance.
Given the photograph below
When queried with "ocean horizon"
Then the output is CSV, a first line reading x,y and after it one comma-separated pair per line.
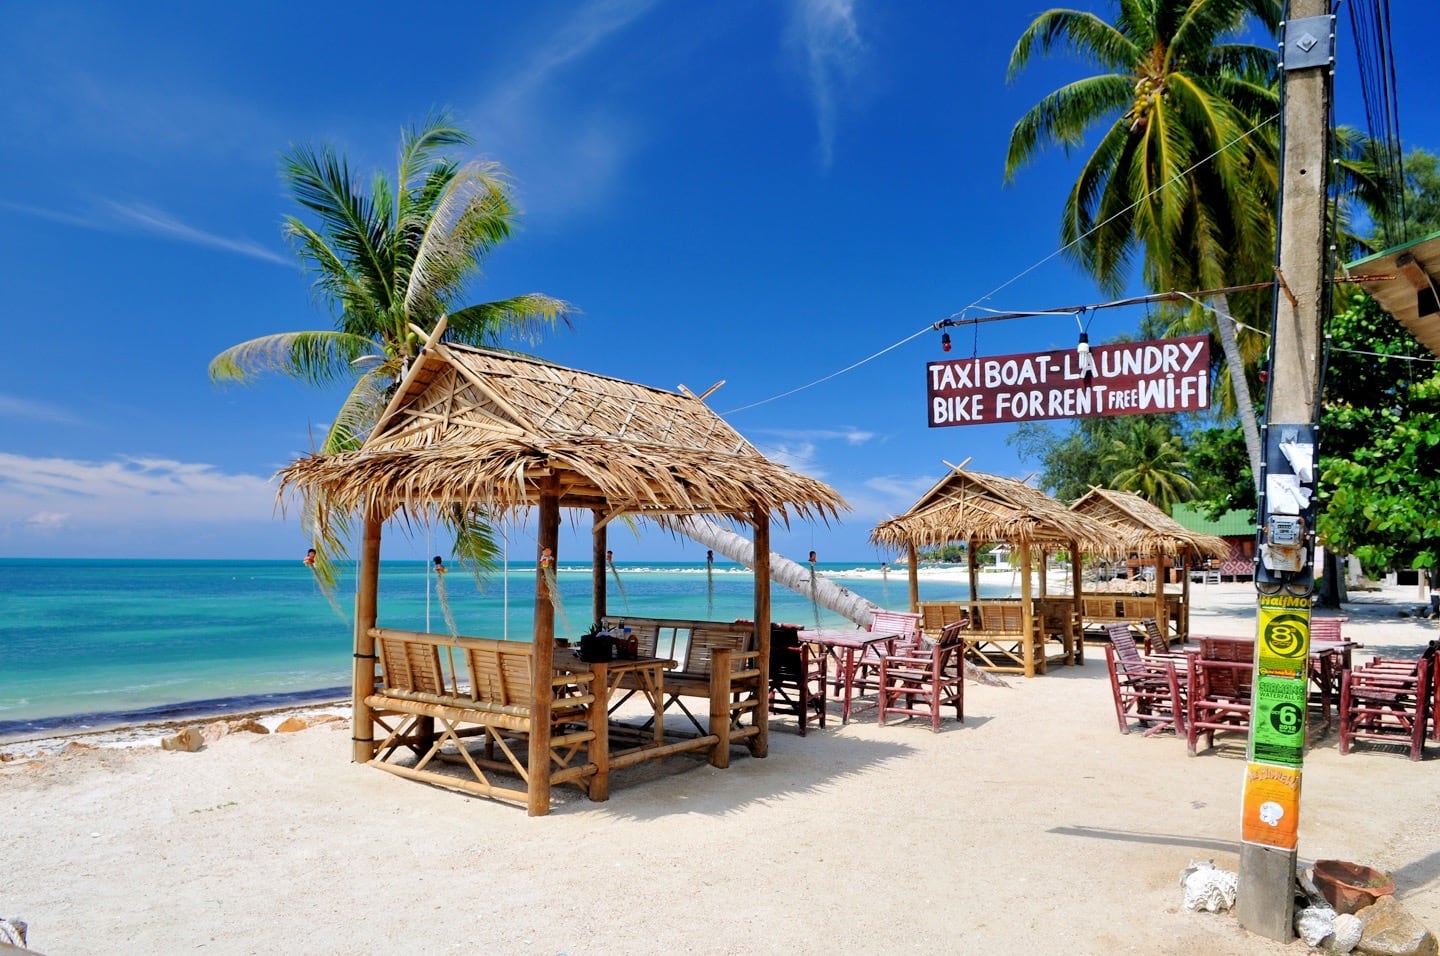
x,y
94,643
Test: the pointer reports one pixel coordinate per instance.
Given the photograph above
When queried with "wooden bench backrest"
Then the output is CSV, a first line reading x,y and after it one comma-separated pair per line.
x,y
935,615
691,643
997,616
904,623
412,666
499,672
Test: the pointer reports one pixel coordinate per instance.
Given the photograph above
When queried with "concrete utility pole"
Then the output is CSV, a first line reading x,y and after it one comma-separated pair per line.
x,y
1284,569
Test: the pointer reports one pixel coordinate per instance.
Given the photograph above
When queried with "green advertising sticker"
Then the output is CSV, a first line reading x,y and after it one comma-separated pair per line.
x,y
1279,720
1284,639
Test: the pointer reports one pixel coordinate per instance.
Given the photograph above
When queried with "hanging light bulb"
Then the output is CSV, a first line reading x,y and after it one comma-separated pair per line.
x,y
945,342
1084,361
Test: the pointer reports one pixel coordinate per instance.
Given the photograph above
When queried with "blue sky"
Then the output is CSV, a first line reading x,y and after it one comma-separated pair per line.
x,y
756,191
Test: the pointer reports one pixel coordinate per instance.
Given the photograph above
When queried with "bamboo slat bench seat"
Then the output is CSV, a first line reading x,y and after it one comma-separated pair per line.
x,y
995,638
718,663
423,706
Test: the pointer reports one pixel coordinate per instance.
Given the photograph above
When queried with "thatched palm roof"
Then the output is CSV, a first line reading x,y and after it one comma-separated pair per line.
x,y
1151,531
484,429
967,505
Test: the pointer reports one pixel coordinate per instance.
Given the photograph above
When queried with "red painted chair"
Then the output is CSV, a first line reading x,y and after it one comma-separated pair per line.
x,y
920,684
906,626
1387,701
1219,679
1147,689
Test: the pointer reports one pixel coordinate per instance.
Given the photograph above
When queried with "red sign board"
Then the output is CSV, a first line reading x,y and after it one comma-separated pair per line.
x,y
1137,378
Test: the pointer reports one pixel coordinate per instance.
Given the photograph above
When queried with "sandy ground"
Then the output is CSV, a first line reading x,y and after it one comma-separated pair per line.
x,y
1034,827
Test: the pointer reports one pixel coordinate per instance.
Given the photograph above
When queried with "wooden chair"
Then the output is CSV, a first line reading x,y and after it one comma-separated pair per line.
x,y
797,677
1149,689
920,684
1219,679
1387,701
904,624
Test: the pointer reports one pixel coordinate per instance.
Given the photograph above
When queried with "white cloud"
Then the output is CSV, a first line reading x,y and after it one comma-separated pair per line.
x,y
23,409
799,456
566,154
163,224
850,436
120,218
826,33
42,496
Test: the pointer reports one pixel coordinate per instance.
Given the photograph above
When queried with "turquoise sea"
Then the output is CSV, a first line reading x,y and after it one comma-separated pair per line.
x,y
92,643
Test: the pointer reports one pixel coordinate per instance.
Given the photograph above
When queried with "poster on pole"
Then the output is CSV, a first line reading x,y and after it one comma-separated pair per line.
x,y
1135,378
1284,633
1278,732
1271,815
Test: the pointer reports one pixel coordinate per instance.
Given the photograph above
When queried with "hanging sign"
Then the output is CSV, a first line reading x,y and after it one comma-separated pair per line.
x,y
1137,378
1271,814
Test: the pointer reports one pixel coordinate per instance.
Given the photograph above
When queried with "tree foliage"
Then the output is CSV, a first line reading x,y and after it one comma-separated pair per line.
x,y
1380,443
389,262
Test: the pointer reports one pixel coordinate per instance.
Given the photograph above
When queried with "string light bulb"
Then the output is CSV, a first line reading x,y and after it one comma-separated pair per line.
x,y
945,342
1084,361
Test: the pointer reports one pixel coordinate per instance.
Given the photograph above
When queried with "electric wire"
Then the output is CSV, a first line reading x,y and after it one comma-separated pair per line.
x,y
1013,279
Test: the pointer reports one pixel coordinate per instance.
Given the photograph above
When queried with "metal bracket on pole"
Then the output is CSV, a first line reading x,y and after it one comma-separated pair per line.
x,y
1307,42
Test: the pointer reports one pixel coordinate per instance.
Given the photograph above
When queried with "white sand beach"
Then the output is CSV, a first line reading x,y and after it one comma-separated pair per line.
x,y
1034,826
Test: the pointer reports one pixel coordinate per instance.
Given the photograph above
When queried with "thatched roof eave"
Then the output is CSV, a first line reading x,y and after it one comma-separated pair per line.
x,y
1148,529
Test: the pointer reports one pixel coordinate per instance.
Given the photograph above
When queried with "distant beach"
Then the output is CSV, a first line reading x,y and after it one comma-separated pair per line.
x,y
90,644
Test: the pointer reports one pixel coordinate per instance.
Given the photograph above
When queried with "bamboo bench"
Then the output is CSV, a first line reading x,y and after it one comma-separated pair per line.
x,y
996,638
421,686
717,661
1100,609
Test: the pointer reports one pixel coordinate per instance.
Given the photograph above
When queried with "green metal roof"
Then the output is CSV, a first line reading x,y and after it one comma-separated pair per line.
x,y
1230,524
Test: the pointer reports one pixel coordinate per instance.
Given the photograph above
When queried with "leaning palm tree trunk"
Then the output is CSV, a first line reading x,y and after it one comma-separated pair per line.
x,y
798,578
1244,407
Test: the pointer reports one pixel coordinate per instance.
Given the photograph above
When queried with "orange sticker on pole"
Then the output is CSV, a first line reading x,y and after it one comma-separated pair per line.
x,y
1271,816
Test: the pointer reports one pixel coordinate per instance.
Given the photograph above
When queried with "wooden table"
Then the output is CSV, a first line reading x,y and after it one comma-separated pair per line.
x,y
649,679
841,646
1328,659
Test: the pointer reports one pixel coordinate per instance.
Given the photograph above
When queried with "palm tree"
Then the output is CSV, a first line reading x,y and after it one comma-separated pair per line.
x,y
1147,459
391,263
1186,168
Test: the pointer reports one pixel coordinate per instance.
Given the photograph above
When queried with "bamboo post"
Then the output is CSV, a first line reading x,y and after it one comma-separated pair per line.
x,y
912,554
720,702
1077,618
598,567
971,561
543,652
599,720
362,725
1027,610
760,743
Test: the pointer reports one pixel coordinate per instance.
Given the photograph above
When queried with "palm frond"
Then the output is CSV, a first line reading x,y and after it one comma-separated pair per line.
x,y
320,358
361,409
1085,34
527,316
1065,116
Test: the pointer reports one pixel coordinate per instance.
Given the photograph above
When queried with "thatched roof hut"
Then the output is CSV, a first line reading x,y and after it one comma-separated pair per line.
x,y
1152,533
481,429
978,508
1150,530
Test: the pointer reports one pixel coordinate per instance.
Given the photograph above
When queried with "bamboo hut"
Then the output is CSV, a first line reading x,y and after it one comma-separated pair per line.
x,y
1153,535
979,509
499,435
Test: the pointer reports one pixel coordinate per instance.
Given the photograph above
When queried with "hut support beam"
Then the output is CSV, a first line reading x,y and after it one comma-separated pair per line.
x,y
362,724
760,743
912,555
543,651
598,566
1027,607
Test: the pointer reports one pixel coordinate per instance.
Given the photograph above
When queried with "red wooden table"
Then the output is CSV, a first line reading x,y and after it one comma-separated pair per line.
x,y
841,646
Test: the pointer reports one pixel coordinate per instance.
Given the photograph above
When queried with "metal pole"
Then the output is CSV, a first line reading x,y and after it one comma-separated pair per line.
x,y
1284,569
